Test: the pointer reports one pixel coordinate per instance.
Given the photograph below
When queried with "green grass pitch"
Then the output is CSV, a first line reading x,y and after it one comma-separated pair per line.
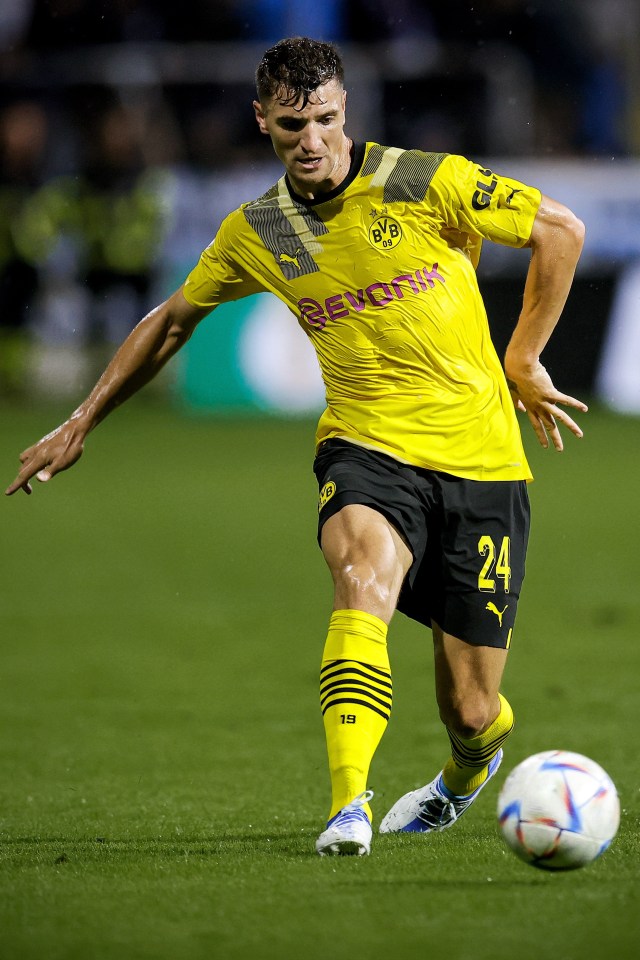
x,y
162,771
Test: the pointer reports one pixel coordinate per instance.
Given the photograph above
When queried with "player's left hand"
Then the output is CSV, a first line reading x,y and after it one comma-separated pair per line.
x,y
52,454
533,393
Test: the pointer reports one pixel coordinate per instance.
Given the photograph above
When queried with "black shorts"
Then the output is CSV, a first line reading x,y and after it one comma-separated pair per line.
x,y
468,537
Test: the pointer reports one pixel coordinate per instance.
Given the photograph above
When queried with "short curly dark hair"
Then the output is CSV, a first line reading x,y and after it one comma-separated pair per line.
x,y
295,67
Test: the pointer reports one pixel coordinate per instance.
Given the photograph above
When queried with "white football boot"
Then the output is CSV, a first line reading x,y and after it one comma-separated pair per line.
x,y
349,832
432,807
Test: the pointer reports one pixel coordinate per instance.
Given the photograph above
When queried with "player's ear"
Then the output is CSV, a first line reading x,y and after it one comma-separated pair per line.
x,y
260,117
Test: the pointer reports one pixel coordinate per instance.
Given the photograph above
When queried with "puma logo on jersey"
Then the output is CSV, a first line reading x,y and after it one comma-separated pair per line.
x,y
499,613
512,195
285,258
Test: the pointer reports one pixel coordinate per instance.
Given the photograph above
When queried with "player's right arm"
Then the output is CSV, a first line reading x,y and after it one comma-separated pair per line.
x,y
145,351
556,243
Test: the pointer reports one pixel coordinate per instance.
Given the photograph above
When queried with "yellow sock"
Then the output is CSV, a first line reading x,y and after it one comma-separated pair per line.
x,y
355,697
468,765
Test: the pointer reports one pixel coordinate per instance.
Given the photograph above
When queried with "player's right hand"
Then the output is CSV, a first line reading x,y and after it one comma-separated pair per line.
x,y
57,451
534,394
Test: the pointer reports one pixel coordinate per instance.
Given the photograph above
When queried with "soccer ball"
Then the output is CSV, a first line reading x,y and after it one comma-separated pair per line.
x,y
558,810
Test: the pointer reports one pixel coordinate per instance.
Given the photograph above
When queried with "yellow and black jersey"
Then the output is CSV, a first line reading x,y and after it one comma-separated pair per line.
x,y
379,275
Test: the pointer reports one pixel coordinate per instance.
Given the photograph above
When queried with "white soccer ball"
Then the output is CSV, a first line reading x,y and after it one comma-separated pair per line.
x,y
558,810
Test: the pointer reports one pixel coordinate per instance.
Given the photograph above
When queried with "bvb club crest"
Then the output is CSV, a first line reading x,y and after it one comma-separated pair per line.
x,y
384,232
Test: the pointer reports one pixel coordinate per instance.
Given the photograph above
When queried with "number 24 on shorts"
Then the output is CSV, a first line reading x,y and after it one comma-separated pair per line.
x,y
496,564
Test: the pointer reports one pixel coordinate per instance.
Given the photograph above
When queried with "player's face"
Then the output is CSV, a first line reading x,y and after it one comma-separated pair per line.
x,y
310,142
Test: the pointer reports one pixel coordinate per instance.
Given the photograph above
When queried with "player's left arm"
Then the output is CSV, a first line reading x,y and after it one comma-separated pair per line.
x,y
556,243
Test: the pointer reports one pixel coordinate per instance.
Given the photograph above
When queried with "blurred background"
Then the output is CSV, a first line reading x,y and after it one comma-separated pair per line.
x,y
159,604
127,134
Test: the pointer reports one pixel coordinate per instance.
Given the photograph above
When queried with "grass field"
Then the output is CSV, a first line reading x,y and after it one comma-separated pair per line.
x,y
162,771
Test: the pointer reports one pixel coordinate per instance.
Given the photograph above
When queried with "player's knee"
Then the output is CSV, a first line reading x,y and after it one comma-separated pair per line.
x,y
468,718
359,585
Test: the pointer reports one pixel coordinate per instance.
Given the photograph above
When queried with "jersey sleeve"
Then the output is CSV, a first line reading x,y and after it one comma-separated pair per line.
x,y
218,277
475,199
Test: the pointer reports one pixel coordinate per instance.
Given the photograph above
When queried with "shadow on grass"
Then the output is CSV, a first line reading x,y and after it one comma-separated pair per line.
x,y
59,850
381,869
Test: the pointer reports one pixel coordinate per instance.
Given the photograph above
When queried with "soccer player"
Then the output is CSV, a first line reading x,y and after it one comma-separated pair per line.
x,y
422,475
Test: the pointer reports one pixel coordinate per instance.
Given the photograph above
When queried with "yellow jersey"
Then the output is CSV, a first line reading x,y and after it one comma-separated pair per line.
x,y
379,275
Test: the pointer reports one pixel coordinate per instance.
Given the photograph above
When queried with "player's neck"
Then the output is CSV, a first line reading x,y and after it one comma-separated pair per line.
x,y
315,193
